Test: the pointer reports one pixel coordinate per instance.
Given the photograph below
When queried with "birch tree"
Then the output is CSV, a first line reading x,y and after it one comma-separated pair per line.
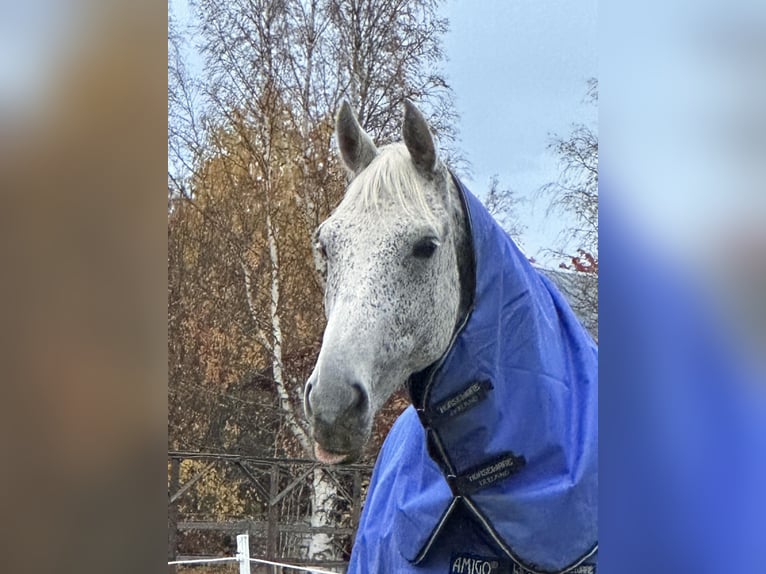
x,y
502,204
574,194
252,146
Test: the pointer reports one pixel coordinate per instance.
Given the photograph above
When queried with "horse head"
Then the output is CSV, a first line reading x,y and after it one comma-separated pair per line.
x,y
390,255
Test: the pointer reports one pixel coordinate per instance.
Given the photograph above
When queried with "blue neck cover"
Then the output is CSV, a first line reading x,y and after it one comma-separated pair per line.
x,y
505,424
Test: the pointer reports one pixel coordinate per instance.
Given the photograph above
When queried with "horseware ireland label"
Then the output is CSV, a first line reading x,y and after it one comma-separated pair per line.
x,y
472,564
489,473
461,401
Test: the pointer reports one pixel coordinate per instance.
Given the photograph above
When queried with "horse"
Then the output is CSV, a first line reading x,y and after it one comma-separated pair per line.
x,y
494,467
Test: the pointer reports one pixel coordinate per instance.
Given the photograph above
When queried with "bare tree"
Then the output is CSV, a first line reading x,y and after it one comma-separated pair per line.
x,y
575,195
252,161
502,204
575,192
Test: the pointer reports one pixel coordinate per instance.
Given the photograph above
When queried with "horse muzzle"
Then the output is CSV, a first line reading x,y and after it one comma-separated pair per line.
x,y
339,413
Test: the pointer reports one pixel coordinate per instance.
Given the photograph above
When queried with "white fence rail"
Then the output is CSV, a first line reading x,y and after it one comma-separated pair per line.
x,y
244,560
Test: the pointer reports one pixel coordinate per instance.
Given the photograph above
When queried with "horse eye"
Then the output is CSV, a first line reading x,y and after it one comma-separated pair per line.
x,y
425,248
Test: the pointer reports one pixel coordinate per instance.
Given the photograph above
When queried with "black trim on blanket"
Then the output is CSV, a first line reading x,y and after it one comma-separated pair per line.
x,y
531,568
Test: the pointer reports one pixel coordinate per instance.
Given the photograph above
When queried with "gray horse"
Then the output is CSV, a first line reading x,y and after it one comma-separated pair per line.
x,y
396,265
494,467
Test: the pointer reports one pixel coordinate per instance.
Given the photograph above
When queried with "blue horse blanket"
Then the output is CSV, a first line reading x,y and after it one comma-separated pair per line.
x,y
494,468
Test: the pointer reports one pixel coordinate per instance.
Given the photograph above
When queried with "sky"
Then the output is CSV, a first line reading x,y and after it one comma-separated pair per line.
x,y
519,73
36,38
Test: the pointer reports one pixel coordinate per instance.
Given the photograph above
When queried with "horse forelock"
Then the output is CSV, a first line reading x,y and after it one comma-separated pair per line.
x,y
392,181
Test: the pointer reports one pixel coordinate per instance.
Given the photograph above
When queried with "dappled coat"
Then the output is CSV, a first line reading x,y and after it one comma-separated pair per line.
x,y
494,468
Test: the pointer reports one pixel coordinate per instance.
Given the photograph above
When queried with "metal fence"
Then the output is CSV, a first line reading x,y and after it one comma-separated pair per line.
x,y
214,497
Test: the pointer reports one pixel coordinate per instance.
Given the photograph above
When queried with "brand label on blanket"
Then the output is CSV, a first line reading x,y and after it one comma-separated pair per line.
x,y
489,473
461,401
472,564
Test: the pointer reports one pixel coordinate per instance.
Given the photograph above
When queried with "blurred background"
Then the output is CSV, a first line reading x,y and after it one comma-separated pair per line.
x,y
83,118
683,286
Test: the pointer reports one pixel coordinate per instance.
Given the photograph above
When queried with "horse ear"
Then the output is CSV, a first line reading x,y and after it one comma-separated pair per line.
x,y
356,147
418,139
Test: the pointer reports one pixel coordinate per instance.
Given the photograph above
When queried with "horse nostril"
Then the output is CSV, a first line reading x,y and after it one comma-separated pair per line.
x,y
335,401
360,400
307,399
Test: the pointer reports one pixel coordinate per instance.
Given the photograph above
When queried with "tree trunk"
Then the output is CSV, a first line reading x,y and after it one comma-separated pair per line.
x,y
324,491
323,497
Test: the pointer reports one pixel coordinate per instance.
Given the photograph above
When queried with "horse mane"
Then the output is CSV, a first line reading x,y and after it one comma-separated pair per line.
x,y
391,180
